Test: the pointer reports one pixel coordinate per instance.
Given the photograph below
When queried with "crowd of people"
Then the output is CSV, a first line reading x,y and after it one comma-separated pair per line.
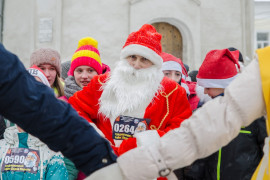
x,y
148,91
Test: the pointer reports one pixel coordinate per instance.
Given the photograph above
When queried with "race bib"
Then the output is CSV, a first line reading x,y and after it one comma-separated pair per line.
x,y
21,160
125,127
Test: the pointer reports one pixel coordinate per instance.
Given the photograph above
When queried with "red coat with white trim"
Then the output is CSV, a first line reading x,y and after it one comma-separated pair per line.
x,y
166,111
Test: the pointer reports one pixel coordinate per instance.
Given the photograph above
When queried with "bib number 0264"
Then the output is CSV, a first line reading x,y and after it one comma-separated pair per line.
x,y
121,128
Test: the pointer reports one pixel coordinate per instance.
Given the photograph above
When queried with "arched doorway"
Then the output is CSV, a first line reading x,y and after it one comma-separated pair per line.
x,y
171,39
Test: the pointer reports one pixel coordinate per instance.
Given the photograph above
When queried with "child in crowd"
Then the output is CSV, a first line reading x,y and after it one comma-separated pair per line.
x,y
174,69
85,64
48,60
24,156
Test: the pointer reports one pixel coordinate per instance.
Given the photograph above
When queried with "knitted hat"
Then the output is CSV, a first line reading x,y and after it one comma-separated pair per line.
x,y
105,68
218,69
144,42
37,72
46,56
65,68
171,62
86,54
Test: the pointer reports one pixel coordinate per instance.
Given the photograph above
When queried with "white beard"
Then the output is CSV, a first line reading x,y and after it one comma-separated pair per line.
x,y
129,91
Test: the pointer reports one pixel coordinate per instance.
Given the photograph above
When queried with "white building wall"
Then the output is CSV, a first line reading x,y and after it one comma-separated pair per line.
x,y
204,25
185,15
227,24
17,33
262,16
104,20
262,21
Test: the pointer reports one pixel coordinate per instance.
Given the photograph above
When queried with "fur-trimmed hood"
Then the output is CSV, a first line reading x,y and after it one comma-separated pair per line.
x,y
11,137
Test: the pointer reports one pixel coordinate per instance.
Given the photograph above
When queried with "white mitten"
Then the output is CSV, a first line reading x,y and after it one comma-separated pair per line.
x,y
145,162
147,138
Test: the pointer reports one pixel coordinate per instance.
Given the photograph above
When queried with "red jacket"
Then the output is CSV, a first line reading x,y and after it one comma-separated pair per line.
x,y
166,111
193,98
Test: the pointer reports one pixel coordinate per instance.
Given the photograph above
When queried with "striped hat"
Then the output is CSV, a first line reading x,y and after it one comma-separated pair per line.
x,y
86,54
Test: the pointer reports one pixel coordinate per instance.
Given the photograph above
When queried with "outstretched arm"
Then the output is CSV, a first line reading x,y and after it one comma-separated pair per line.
x,y
209,128
34,107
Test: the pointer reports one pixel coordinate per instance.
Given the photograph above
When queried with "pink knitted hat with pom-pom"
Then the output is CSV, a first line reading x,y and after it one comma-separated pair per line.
x,y
86,54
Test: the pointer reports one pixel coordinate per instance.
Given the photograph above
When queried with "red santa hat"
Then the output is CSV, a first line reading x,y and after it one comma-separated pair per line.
x,y
37,72
171,62
218,69
144,42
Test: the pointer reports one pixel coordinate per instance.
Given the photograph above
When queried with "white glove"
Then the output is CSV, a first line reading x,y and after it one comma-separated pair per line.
x,y
145,162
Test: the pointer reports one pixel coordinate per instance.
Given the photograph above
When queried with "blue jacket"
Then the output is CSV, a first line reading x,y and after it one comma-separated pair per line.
x,y
33,106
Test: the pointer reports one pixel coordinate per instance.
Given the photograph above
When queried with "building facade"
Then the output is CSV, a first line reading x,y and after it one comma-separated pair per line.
x,y
189,28
262,24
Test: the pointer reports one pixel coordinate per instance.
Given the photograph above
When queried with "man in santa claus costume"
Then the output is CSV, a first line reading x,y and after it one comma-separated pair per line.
x,y
134,91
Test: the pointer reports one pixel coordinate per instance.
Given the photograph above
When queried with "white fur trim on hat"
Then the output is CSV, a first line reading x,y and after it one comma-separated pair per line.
x,y
36,73
215,83
136,49
171,66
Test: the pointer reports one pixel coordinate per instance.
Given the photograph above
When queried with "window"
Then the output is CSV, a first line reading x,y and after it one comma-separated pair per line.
x,y
263,39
